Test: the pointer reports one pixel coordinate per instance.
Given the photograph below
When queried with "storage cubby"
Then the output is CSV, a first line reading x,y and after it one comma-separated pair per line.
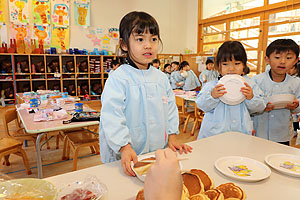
x,y
82,64
70,87
37,64
21,64
53,64
107,63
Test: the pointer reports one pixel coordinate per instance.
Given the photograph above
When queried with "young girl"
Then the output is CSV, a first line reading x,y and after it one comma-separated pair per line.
x,y
191,81
220,117
209,73
167,71
177,81
138,114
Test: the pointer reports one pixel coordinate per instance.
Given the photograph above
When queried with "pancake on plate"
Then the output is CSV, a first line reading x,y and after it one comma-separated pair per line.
x,y
206,180
214,194
231,191
140,195
142,168
199,197
193,183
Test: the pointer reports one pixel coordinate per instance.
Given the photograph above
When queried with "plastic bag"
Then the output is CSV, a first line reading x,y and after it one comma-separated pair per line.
x,y
84,116
88,189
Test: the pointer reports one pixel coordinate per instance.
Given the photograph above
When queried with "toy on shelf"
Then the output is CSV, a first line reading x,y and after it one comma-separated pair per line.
x,y
84,89
23,66
69,67
71,90
95,52
3,49
38,67
83,66
13,46
96,89
5,66
20,46
53,66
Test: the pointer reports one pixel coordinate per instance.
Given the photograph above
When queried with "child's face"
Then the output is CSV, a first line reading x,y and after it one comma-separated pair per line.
x,y
210,66
281,62
231,67
186,68
175,67
168,69
156,65
143,48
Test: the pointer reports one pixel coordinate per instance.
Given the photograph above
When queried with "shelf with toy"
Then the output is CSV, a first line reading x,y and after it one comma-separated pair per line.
x,y
22,79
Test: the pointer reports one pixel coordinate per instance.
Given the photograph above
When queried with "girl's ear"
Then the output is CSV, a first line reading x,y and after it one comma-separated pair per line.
x,y
267,59
123,45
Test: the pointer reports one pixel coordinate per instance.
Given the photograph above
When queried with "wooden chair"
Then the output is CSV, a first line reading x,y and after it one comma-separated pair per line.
x,y
199,114
77,139
11,146
184,114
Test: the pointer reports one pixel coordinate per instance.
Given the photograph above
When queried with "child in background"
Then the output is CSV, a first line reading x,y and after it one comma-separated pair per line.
x,y
281,55
177,81
114,65
209,73
220,117
246,71
167,71
191,81
156,63
139,113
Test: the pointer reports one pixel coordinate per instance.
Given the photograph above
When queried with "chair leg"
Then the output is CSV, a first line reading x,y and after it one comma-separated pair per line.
x,y
68,150
26,163
75,158
97,149
92,149
6,160
64,156
57,141
48,144
186,123
194,127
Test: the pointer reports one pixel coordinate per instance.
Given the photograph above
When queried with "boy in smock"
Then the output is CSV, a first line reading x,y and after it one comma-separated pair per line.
x,y
273,124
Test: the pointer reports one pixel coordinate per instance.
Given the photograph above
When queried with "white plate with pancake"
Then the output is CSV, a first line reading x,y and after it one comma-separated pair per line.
x,y
232,84
280,101
242,168
285,163
144,170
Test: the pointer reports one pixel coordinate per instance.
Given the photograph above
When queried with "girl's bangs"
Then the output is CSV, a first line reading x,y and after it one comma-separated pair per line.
x,y
141,26
227,56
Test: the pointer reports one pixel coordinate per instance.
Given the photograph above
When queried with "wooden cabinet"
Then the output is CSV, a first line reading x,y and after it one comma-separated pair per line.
x,y
76,74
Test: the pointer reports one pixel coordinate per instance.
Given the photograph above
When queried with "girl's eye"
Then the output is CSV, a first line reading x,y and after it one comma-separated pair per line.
x,y
139,39
289,58
154,39
277,57
237,63
224,64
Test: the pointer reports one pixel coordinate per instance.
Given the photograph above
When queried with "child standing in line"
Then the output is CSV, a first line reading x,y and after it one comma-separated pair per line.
x,y
281,55
156,63
191,81
114,65
209,73
220,117
167,71
177,81
139,113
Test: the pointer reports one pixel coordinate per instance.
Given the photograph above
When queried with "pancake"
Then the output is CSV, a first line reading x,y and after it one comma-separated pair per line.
x,y
193,183
140,195
142,168
214,194
185,193
206,180
231,191
199,197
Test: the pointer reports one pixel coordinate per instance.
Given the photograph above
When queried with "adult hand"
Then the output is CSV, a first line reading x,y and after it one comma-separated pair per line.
x,y
128,155
173,144
163,180
218,91
247,91
293,105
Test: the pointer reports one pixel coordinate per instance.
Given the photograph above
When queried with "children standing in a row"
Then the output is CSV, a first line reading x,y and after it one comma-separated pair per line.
x,y
209,73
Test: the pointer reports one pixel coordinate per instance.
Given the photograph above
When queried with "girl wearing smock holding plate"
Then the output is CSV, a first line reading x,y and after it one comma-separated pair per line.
x,y
139,113
220,117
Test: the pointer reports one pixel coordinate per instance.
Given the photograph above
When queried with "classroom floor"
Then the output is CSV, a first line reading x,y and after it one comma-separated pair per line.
x,y
51,158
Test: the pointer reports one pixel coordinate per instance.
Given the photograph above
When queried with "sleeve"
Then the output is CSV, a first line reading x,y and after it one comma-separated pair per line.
x,y
258,103
196,79
173,117
173,81
113,119
201,77
204,100
297,94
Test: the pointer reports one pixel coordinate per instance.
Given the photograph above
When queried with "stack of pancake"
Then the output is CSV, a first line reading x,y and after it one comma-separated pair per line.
x,y
197,185
141,168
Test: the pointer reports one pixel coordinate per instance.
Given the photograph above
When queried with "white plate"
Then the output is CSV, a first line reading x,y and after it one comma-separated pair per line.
x,y
242,168
286,163
281,100
141,157
232,84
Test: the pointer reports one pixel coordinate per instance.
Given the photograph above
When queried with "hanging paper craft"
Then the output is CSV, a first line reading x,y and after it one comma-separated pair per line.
x,y
2,11
42,34
82,14
41,11
3,33
20,33
60,12
18,10
60,37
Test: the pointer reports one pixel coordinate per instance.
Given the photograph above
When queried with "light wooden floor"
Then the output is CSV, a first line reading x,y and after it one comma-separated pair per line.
x,y
52,162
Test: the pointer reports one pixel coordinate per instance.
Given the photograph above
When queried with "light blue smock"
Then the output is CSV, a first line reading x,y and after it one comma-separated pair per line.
x,y
138,107
220,117
110,72
176,78
274,125
191,81
209,76
168,76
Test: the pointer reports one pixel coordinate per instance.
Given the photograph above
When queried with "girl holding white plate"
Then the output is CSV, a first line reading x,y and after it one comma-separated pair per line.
x,y
228,104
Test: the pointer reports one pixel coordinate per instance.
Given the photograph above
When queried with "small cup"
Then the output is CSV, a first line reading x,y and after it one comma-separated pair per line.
x,y
34,103
65,95
78,107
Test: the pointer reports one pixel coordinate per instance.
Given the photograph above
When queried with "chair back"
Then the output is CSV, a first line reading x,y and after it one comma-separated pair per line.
x,y
180,104
9,116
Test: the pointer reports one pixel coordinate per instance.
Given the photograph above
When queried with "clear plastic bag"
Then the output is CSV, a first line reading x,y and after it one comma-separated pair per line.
x,y
88,189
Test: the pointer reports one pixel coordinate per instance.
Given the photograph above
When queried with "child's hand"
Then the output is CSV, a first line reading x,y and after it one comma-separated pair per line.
x,y
218,91
128,155
247,91
174,145
293,105
269,107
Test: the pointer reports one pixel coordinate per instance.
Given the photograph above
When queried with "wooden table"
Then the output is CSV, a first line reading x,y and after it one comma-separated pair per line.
x,y
42,128
205,153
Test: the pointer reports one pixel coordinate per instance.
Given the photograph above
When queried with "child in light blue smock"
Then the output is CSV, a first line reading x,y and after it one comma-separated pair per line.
x,y
139,113
176,79
209,73
191,81
167,71
273,124
220,117
114,65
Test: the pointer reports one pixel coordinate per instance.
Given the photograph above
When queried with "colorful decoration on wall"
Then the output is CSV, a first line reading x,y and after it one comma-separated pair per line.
x,y
41,11
2,11
102,38
42,34
20,32
82,14
113,33
60,37
18,10
60,12
3,33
